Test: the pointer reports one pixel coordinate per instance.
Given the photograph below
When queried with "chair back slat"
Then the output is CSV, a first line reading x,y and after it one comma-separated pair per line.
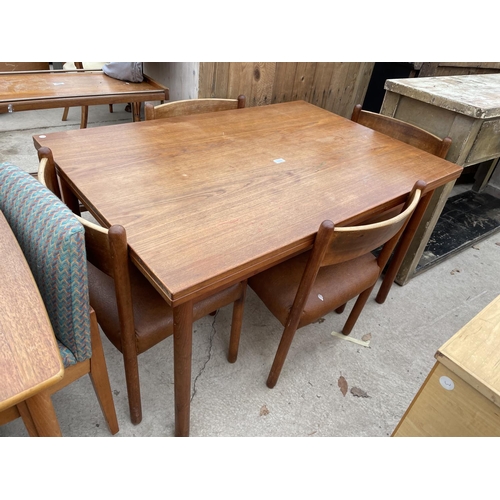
x,y
402,131
192,107
348,243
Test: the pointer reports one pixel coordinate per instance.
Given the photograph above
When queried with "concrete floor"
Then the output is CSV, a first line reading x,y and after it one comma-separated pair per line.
x,y
232,399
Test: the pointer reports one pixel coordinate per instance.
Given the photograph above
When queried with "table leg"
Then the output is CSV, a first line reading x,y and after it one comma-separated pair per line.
x,y
402,248
136,110
183,337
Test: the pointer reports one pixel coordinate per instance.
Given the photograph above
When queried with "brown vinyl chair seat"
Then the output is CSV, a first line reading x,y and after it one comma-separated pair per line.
x,y
335,284
153,317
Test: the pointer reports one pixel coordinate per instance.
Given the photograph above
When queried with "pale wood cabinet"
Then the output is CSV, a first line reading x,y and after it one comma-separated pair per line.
x,y
461,395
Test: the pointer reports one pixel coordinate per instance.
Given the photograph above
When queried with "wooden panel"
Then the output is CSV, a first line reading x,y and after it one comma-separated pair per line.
x,y
321,83
335,86
284,79
487,144
437,412
240,80
304,77
262,83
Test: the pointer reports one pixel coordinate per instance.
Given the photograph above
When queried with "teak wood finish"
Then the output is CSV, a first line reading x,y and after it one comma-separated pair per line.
x,y
339,267
21,91
131,313
191,107
419,138
29,357
209,200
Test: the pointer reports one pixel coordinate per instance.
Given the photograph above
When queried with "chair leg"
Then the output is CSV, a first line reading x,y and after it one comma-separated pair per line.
x,y
340,309
65,114
356,310
133,387
236,323
110,108
99,377
279,358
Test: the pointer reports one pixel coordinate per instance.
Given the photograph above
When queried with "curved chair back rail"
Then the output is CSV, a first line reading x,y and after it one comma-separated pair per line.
x,y
191,107
402,131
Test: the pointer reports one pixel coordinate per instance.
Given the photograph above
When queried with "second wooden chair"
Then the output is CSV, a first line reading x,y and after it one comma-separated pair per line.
x,y
339,267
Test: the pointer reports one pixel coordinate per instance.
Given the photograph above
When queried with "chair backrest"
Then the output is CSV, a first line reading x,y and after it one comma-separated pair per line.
x,y
191,107
405,132
346,243
53,242
107,249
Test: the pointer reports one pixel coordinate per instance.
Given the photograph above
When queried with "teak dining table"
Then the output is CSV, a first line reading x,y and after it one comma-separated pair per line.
x,y
27,90
209,200
29,357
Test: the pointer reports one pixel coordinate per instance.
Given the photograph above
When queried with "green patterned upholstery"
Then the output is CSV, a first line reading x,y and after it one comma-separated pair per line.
x,y
53,242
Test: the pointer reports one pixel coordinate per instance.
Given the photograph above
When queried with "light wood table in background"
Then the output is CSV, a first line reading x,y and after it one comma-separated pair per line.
x,y
22,91
29,357
209,200
461,395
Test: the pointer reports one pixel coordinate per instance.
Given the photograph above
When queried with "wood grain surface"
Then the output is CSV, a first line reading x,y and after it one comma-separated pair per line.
x,y
29,356
212,198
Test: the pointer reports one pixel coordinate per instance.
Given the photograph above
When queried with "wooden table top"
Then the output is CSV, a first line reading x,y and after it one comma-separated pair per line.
x,y
210,199
45,89
29,356
473,353
477,96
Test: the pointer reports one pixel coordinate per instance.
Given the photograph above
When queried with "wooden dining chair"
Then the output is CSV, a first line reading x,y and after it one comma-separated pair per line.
x,y
53,242
191,107
414,136
339,267
130,311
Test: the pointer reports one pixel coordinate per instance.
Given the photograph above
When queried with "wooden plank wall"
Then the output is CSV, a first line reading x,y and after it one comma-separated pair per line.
x,y
335,86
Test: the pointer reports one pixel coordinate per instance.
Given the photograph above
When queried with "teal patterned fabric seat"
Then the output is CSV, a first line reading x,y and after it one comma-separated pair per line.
x,y
53,242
